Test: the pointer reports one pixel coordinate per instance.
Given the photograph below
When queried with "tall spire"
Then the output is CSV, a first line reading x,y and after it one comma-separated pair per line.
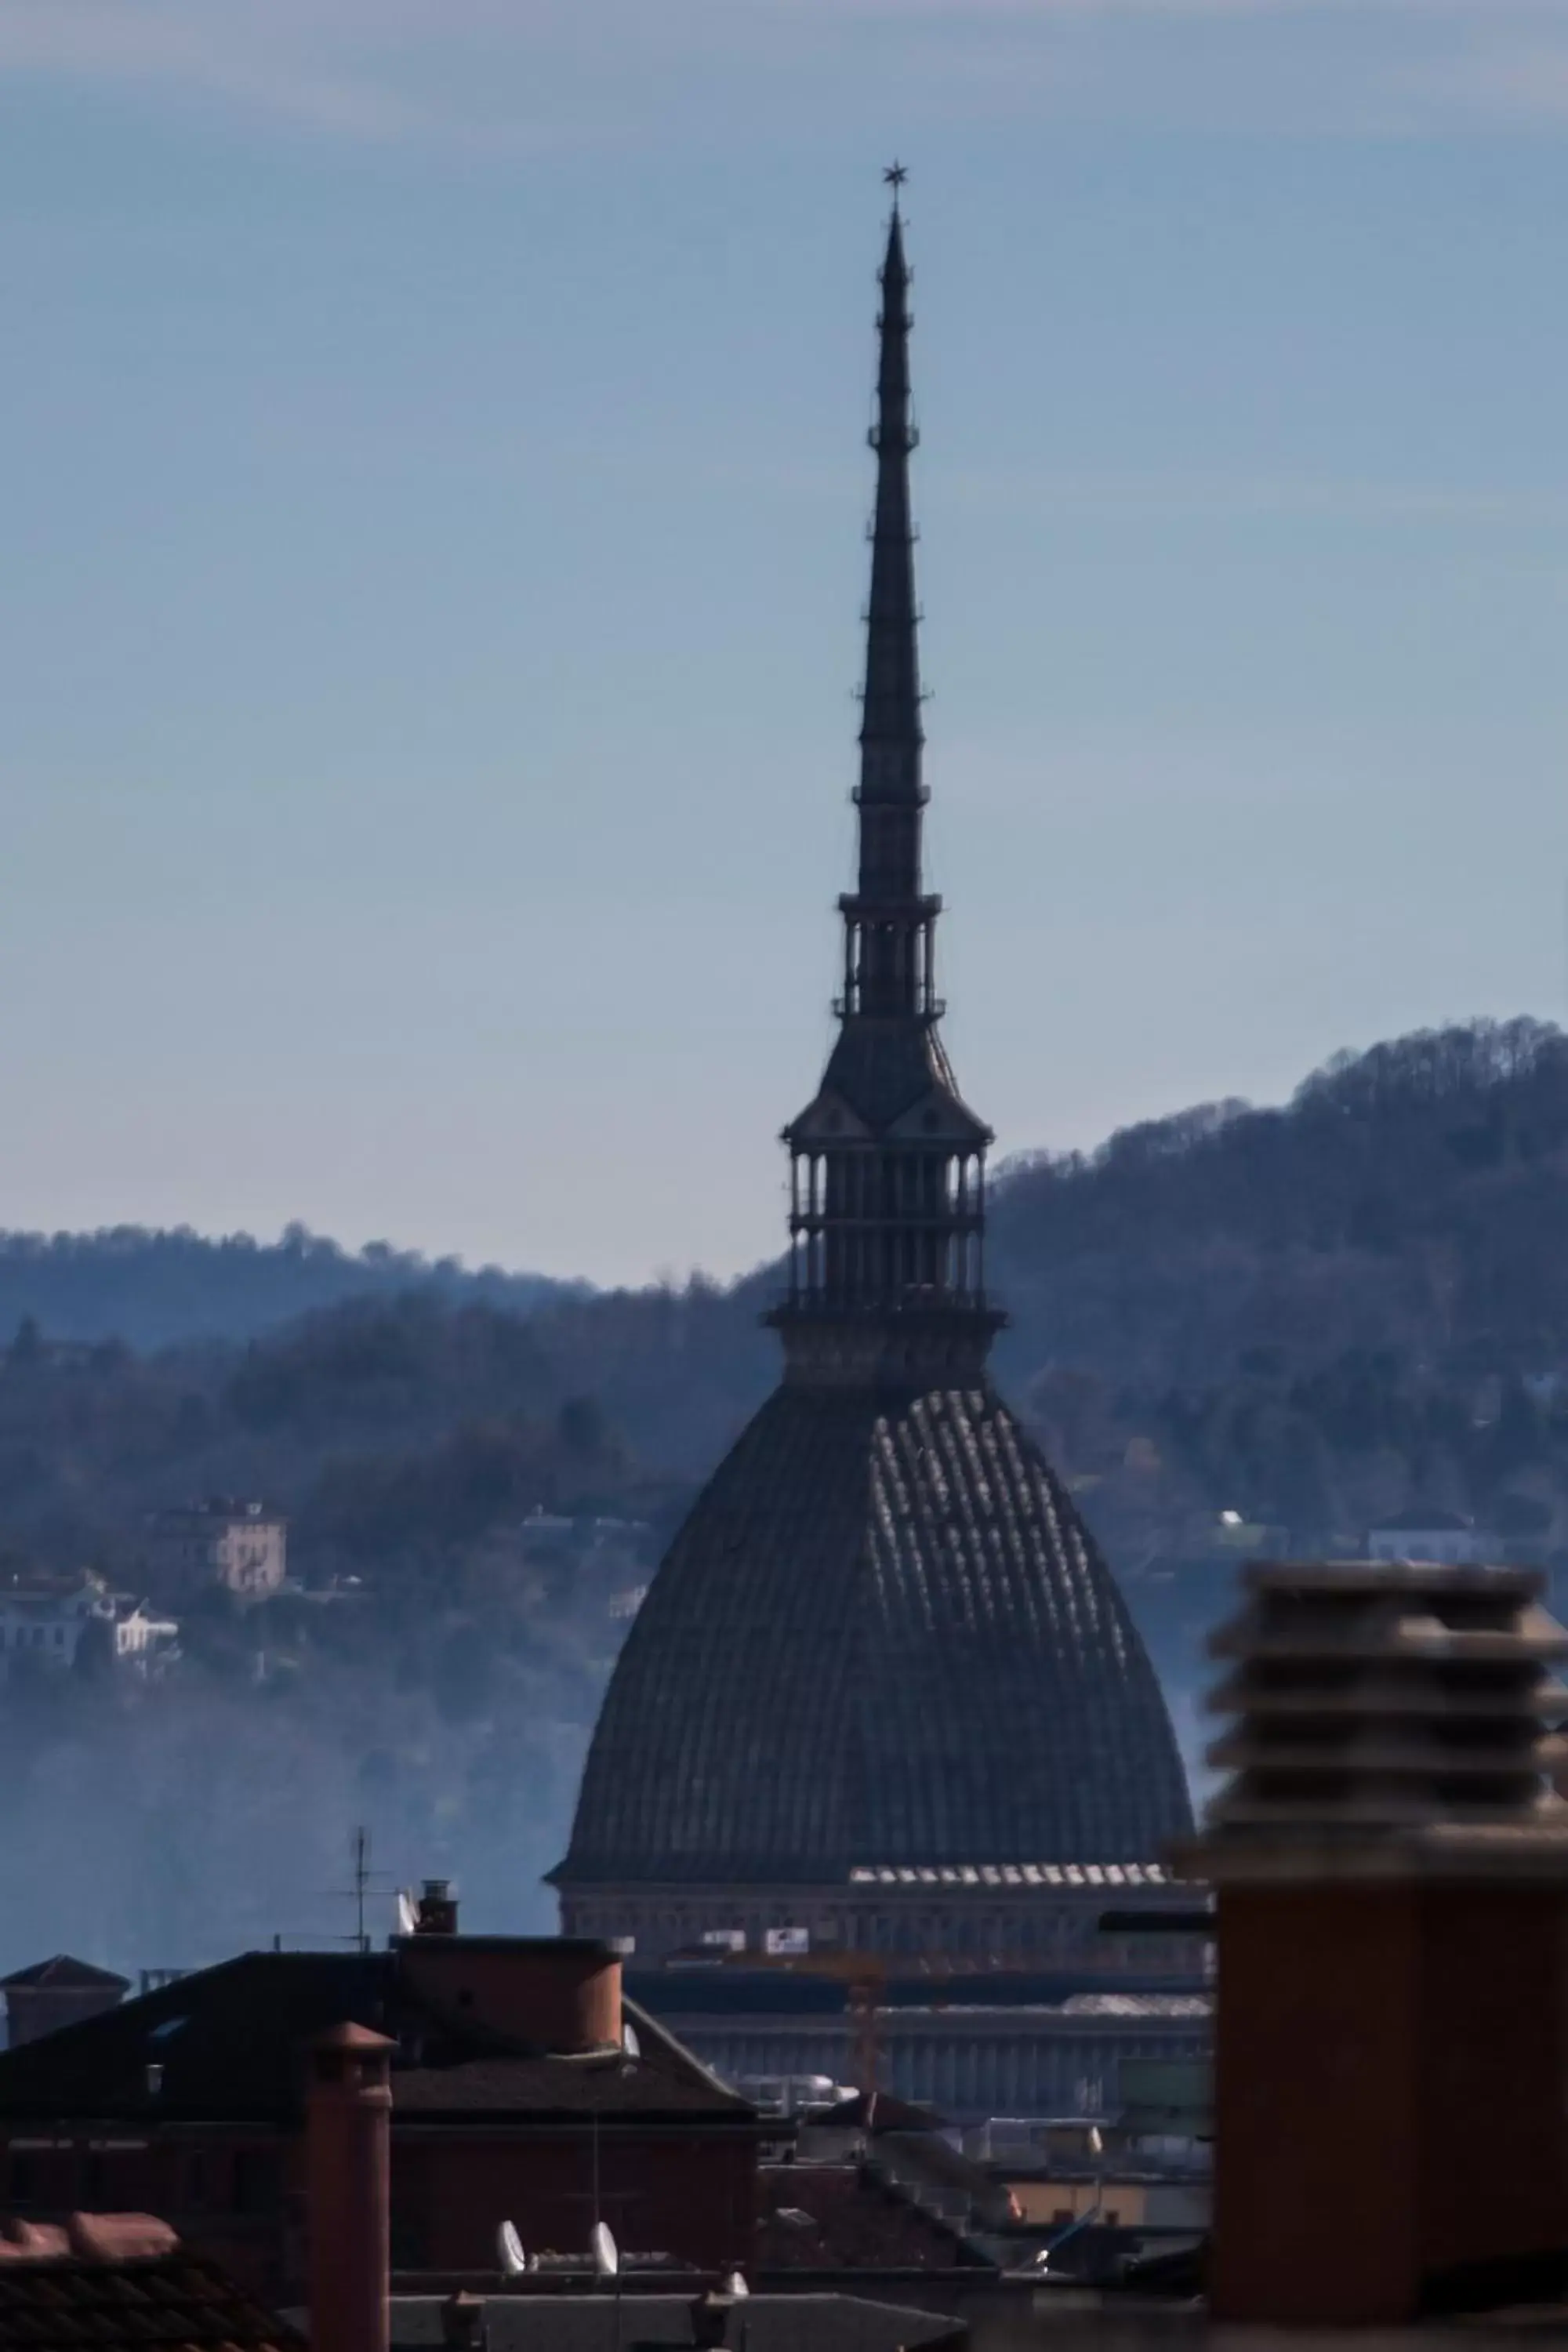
x,y
887,1214
891,794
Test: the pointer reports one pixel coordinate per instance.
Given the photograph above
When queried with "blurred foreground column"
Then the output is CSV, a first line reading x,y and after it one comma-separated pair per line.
x,y
1391,1871
348,2159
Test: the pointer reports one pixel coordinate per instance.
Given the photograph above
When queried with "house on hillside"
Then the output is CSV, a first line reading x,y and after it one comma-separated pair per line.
x,y
241,1546
45,1618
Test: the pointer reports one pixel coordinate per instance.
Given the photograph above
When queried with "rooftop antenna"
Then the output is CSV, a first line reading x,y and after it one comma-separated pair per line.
x,y
367,1885
362,1883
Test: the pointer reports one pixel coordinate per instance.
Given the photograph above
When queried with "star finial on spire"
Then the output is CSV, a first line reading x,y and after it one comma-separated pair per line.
x,y
895,175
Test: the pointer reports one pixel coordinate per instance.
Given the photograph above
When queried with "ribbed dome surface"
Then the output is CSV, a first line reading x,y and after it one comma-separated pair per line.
x,y
882,1635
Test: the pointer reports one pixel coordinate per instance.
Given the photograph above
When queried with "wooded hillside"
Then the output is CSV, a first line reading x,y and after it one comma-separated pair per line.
x,y
1233,1330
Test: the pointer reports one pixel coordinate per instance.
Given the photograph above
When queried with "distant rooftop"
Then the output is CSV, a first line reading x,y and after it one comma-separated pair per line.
x,y
63,1974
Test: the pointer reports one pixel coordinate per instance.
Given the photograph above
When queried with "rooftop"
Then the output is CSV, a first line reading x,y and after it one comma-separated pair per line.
x,y
122,2282
844,2217
226,2043
63,1974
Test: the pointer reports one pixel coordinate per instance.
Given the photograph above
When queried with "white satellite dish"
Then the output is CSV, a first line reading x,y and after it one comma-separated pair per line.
x,y
408,1919
629,2041
606,2253
736,2284
509,2246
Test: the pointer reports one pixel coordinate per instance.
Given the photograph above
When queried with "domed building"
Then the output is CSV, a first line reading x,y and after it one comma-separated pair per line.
x,y
884,1693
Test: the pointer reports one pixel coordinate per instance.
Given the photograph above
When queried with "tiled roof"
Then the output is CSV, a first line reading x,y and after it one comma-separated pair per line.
x,y
63,1974
503,2086
225,2043
883,1631
88,2297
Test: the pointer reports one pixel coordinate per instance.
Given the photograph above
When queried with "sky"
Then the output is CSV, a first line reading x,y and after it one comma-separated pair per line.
x,y
433,488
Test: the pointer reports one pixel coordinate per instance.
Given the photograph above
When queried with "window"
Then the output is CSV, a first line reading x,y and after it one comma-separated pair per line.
x,y
22,2179
94,2179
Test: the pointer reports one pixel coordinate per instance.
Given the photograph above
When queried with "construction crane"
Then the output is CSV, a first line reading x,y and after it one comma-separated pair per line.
x,y
865,1977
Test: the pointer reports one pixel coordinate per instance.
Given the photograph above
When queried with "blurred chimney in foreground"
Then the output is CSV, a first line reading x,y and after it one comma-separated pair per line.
x,y
348,2157
1391,1880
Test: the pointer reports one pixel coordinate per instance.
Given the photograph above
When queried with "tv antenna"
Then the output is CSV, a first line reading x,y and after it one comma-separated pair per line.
x,y
368,1886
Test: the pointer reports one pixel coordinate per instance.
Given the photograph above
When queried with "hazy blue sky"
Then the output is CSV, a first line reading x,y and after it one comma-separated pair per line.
x,y
433,500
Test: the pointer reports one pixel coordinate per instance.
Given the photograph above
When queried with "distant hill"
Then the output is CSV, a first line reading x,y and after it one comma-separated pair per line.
x,y
1413,1198
1306,1316
1234,1330
152,1288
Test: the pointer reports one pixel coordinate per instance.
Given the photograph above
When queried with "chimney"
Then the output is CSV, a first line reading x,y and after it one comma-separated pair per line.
x,y
559,1993
348,2159
1391,1923
436,1910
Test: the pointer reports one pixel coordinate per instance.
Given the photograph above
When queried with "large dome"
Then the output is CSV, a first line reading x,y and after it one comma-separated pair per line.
x,y
883,1636
883,1639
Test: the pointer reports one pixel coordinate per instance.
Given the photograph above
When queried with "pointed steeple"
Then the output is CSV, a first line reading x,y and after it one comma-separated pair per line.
x,y
891,794
887,1215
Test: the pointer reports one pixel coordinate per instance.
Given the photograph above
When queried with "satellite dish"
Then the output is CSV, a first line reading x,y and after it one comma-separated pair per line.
x,y
408,1919
509,2246
606,2253
735,2284
629,2041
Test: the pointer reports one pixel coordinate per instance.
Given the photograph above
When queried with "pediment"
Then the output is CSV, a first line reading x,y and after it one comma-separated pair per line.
x,y
829,1120
940,1118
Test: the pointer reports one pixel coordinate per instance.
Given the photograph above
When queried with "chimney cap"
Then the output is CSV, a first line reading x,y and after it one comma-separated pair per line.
x,y
350,2036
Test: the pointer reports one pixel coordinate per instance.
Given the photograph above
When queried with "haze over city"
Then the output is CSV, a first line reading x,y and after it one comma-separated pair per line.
x,y
693,1653
436,510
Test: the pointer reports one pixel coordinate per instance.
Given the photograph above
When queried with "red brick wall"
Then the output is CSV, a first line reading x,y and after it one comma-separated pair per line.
x,y
1390,2094
1493,2120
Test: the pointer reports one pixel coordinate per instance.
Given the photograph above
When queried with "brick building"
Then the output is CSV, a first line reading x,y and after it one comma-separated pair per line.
x,y
518,2095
